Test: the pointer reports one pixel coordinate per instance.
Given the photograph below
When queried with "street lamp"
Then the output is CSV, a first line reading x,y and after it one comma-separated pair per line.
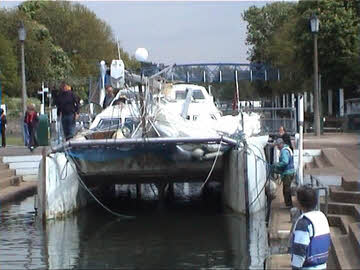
x,y
22,37
314,24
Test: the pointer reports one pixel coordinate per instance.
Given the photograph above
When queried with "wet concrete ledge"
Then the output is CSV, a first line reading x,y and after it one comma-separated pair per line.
x,y
23,190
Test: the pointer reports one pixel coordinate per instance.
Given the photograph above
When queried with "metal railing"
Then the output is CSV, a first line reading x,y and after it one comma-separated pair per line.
x,y
318,186
271,119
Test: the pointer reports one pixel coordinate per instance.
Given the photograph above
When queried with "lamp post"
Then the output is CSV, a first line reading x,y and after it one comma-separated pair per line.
x,y
314,24
22,37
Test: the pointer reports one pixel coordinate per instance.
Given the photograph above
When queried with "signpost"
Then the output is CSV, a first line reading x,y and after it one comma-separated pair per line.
x,y
42,92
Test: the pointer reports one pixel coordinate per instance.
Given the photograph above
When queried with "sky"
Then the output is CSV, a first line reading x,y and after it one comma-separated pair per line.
x,y
176,32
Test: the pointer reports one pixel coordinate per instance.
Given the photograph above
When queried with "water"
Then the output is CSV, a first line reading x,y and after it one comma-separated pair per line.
x,y
189,233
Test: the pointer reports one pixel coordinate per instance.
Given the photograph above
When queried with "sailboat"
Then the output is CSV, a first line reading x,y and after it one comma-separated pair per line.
x,y
165,134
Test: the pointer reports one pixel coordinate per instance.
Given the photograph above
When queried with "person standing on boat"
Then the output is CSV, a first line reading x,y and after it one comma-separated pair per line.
x,y
285,167
108,97
310,240
68,109
3,127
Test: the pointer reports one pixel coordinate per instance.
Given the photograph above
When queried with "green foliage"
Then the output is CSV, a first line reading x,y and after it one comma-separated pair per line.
x,y
8,68
279,34
338,39
64,41
262,24
14,105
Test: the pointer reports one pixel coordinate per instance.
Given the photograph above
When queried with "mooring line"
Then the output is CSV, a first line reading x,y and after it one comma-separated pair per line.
x,y
213,166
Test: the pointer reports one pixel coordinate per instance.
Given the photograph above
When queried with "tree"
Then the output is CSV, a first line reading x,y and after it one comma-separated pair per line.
x,y
280,36
262,24
64,41
8,68
338,40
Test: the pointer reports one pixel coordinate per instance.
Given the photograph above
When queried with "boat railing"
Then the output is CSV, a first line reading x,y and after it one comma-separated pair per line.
x,y
139,141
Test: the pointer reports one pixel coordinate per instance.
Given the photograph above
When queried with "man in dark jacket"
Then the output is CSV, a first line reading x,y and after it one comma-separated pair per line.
x,y
68,109
108,97
286,137
3,127
285,167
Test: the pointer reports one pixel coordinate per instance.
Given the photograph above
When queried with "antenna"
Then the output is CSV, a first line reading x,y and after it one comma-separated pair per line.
x,y
118,47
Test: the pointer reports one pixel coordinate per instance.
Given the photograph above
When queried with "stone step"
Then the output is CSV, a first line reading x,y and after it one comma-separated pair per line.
x,y
354,234
309,166
24,189
336,159
6,173
341,222
321,162
338,194
30,178
16,159
345,256
278,261
9,181
341,208
24,165
29,171
351,182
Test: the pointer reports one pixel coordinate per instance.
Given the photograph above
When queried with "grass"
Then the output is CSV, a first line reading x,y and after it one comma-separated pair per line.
x,y
14,140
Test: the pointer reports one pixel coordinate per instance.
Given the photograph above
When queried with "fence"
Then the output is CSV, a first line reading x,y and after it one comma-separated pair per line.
x,y
270,118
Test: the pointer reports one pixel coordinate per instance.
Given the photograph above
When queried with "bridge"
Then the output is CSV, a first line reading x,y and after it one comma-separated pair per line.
x,y
216,72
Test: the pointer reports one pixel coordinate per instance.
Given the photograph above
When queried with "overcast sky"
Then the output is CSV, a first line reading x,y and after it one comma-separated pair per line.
x,y
177,32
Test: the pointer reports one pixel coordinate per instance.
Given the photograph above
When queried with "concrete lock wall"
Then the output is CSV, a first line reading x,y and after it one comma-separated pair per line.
x,y
245,176
234,192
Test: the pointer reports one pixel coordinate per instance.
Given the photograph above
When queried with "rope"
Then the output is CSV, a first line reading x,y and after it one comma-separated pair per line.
x,y
100,203
213,166
268,165
82,184
93,196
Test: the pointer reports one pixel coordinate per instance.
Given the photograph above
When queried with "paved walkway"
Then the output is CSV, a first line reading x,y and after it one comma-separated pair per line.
x,y
19,151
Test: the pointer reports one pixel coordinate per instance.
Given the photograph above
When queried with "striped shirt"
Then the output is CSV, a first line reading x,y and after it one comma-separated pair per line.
x,y
302,238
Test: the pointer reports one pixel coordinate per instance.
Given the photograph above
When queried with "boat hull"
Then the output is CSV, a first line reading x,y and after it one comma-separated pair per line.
x,y
145,163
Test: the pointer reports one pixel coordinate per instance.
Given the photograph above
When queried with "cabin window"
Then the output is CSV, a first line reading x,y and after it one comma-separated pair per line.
x,y
198,94
180,95
195,117
213,116
113,123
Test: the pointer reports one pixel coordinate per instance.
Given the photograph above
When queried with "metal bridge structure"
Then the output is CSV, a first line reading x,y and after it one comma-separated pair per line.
x,y
216,72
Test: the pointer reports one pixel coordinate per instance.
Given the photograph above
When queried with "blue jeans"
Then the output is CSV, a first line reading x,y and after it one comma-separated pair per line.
x,y
68,124
26,134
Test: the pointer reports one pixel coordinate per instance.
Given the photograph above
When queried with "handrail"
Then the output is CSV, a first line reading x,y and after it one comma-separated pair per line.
x,y
320,186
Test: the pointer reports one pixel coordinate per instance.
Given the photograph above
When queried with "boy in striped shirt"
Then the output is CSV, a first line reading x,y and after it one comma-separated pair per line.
x,y
310,240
